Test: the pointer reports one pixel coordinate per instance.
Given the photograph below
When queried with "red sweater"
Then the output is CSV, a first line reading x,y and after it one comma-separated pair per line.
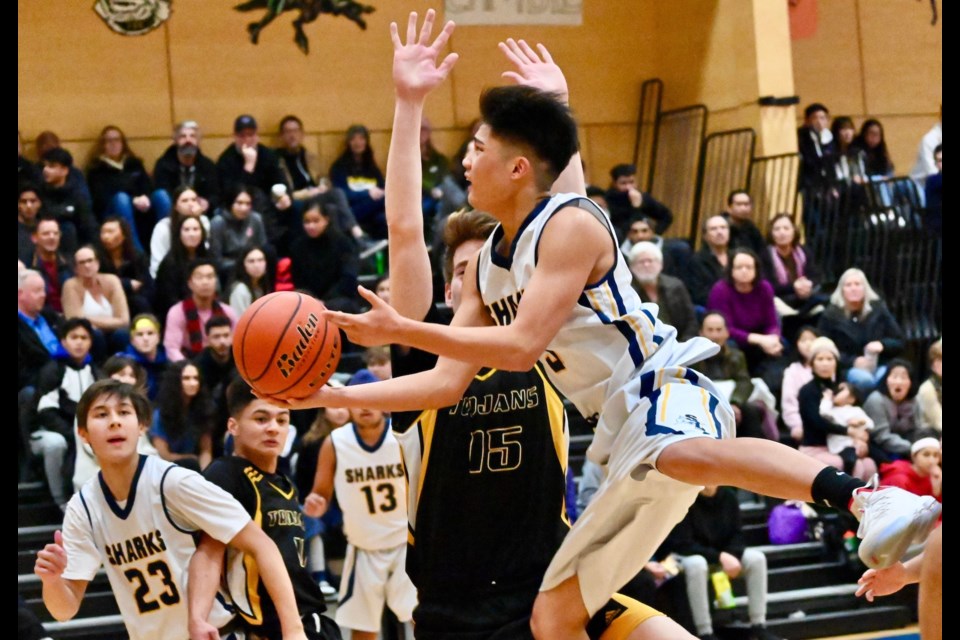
x,y
900,473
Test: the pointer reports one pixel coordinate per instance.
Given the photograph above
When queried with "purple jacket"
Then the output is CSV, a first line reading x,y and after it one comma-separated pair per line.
x,y
746,313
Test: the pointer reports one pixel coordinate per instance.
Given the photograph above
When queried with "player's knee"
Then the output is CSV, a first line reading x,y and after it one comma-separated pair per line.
x,y
552,618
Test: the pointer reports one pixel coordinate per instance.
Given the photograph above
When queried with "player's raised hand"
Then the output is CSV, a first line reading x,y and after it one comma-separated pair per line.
x,y
533,69
315,505
415,69
52,559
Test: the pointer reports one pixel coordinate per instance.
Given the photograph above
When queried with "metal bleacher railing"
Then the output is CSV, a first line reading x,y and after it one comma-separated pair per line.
x,y
879,227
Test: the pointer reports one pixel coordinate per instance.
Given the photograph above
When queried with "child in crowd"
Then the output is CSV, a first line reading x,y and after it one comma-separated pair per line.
x,y
146,349
795,376
930,394
843,408
362,463
137,519
921,474
60,384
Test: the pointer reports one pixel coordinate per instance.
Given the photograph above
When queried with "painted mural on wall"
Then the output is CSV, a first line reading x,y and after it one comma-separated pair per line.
x,y
133,17
309,10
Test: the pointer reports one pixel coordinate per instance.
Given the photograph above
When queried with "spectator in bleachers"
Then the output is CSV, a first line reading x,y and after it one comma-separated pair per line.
x,y
746,301
324,261
356,172
217,370
118,255
730,366
933,195
37,343
383,288
793,274
652,285
797,374
252,279
743,230
824,359
99,298
921,474
65,201
145,349
817,147
189,243
186,204
377,361
28,209
442,195
710,262
297,163
60,384
234,227
876,156
47,140
183,165
849,166
710,539
626,202
121,186
49,260
862,327
183,418
844,408
183,335
246,161
930,394
27,172
893,409
924,165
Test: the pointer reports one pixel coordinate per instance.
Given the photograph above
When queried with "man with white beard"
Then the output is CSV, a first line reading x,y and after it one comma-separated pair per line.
x,y
649,281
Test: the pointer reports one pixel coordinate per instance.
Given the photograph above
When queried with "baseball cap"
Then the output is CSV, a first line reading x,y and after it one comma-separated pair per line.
x,y
244,122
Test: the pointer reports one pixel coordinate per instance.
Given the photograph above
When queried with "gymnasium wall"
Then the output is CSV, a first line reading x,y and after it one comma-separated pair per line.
x,y
75,75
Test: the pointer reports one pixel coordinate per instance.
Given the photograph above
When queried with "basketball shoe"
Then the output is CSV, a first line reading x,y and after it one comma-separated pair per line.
x,y
891,519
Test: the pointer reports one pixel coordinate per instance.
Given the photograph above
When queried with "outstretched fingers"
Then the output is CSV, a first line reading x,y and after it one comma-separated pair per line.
x,y
427,27
443,36
412,27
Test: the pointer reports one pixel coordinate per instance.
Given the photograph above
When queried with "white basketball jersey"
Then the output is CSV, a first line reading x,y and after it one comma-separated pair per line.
x,y
371,489
146,543
610,333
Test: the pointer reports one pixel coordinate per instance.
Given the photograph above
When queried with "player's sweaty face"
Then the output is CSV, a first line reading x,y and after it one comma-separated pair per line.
x,y
113,428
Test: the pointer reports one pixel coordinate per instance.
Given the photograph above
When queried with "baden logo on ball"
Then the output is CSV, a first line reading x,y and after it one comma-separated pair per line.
x,y
307,330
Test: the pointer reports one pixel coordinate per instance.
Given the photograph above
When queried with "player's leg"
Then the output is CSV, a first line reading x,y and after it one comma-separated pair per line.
x,y
560,613
401,594
361,595
891,518
931,588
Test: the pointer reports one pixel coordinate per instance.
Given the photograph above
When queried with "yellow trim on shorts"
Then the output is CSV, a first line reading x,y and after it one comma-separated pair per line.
x,y
623,625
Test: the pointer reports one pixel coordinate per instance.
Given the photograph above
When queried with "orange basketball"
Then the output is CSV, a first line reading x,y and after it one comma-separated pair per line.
x,y
283,347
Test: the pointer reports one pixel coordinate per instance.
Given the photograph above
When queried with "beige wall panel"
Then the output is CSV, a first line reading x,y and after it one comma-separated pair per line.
x,y
75,75
605,146
827,67
903,57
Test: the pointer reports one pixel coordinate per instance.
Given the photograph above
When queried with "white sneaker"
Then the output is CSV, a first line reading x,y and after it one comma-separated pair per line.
x,y
329,593
891,519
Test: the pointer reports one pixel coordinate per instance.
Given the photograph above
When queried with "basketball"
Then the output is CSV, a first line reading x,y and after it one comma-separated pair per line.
x,y
283,347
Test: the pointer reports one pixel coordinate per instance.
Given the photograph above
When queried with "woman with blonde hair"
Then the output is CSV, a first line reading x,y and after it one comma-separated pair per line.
x,y
863,328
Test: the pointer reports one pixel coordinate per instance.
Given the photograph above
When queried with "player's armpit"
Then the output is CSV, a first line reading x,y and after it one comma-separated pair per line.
x,y
575,250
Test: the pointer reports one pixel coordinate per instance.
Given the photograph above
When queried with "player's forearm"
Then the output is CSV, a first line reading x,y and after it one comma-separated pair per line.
x,y
277,581
206,565
433,389
409,262
500,347
61,598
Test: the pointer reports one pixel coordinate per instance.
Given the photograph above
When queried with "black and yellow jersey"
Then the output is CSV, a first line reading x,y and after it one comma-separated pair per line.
x,y
272,502
486,482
